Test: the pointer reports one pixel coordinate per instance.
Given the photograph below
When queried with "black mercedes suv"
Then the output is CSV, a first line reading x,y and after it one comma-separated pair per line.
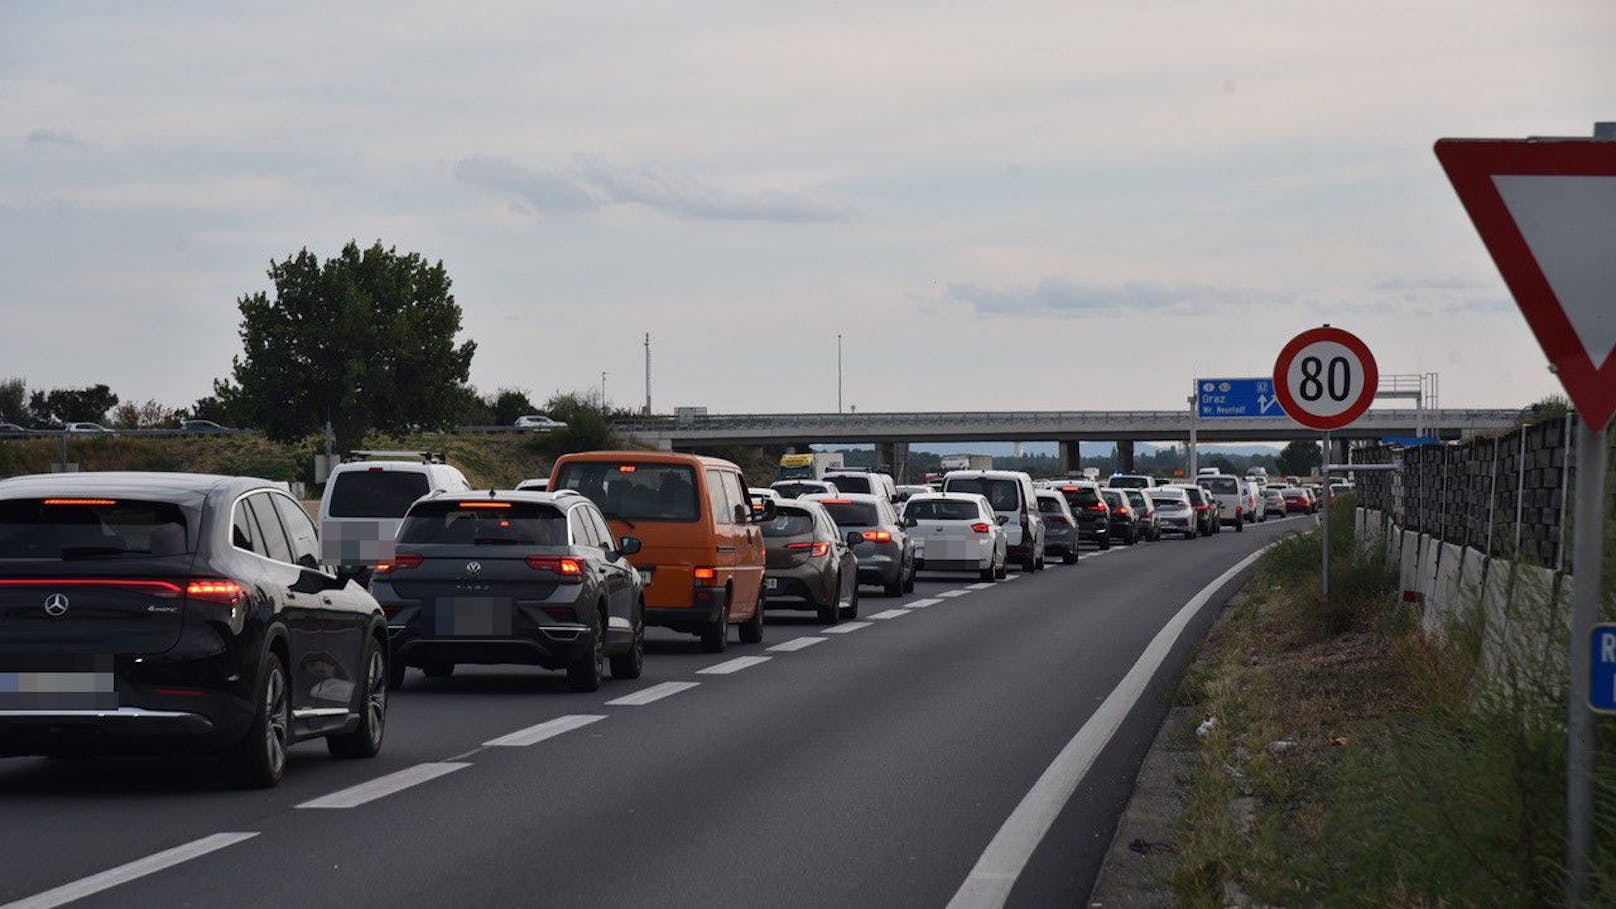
x,y
163,611
513,577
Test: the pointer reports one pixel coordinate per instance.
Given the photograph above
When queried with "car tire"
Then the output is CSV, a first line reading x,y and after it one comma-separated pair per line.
x,y
395,673
850,611
365,741
1239,526
830,613
988,573
751,630
1070,558
909,585
1132,537
587,671
630,664
715,637
438,669
258,761
893,588
1105,540
1003,571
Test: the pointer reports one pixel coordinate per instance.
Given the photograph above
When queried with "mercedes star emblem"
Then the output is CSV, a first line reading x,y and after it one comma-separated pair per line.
x,y
56,604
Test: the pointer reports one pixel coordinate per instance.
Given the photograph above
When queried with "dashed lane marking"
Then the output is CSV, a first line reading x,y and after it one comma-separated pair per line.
x,y
383,786
922,604
984,585
123,874
846,627
889,614
954,593
796,644
654,693
732,666
548,729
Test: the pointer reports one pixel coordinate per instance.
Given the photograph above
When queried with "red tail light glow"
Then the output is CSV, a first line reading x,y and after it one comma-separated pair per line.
x,y
400,561
566,567
219,591
165,589
1123,509
981,527
1097,506
483,504
704,574
814,549
81,501
878,536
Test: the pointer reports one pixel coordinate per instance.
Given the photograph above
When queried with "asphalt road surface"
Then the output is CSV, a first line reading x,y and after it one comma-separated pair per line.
x,y
967,743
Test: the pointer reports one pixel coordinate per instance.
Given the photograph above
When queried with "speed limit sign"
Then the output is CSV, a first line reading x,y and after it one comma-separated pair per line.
x,y
1325,378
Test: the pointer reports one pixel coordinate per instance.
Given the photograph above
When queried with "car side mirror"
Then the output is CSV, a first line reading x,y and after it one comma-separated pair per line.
x,y
767,512
629,546
743,514
1001,519
854,538
895,499
910,522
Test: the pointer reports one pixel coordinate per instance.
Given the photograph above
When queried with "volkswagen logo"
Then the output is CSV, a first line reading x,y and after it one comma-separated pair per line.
x,y
56,604
474,568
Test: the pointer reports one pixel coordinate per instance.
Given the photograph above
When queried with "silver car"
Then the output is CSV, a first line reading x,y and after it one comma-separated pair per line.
x,y
1174,514
954,531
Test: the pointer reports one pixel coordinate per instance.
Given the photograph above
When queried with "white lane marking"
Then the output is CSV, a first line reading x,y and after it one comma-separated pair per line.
x,y
548,729
982,586
845,627
736,665
922,604
654,693
889,613
796,644
989,884
954,593
123,874
354,796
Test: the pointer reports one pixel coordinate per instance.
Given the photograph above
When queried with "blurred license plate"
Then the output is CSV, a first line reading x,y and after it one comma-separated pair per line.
x,y
645,576
771,583
58,690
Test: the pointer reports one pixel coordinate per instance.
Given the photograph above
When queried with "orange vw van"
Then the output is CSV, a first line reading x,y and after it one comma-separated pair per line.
x,y
701,555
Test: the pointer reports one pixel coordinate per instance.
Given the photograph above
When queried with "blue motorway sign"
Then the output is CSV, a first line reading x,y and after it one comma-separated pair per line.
x,y
1236,398
1602,684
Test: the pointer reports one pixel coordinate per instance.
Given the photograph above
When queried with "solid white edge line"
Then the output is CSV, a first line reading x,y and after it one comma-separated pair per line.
x,y
123,874
354,796
989,884
548,729
654,693
922,604
846,627
889,613
796,644
732,666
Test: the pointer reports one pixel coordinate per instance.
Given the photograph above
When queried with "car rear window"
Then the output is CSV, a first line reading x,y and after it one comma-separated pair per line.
x,y
1167,499
376,493
943,510
513,524
1197,497
794,490
1049,505
634,491
1113,498
851,514
847,483
1081,497
1137,499
88,528
789,522
1130,482
1003,495
1225,486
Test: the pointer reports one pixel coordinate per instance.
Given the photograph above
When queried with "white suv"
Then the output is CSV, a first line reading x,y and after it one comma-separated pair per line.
x,y
1230,493
365,500
1011,494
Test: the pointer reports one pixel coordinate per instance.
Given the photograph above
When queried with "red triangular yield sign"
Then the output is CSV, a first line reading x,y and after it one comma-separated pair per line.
x,y
1546,210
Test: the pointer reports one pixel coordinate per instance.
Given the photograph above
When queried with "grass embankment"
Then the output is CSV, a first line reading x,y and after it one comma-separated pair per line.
x,y
1355,761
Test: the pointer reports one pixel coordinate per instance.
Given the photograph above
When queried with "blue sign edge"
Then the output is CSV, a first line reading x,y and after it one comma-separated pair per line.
x,y
1204,416
1593,637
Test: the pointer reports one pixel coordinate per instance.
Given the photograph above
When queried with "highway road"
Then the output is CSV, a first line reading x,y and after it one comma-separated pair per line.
x,y
922,755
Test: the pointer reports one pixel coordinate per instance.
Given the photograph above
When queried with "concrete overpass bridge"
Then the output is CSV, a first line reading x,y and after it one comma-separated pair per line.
x,y
892,433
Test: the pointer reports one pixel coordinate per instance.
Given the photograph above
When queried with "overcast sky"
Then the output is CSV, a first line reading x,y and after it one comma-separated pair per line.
x,y
1008,205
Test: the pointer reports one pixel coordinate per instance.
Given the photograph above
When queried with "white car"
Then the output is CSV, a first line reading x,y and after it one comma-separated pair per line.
x,y
1174,513
536,484
1230,493
365,500
1011,494
1254,508
955,531
866,482
88,429
793,489
538,422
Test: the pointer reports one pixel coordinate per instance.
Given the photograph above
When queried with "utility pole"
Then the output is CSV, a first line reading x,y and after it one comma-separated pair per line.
x,y
603,391
647,373
1195,425
838,372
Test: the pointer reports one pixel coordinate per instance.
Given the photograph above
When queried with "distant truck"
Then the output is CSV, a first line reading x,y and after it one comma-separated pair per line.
x,y
809,466
965,462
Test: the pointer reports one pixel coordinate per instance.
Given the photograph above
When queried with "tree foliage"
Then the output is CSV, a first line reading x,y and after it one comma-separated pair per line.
x,y
1300,458
150,415
71,405
365,341
14,401
510,403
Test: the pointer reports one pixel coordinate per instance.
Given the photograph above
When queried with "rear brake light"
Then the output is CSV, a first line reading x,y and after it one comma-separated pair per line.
x,y
878,536
814,550
1200,508
1123,509
566,567
626,468
81,501
704,574
1097,506
981,527
166,589
483,504
215,590
401,561
835,501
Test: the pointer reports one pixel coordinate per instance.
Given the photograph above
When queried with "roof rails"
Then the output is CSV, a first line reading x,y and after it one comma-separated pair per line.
x,y
370,454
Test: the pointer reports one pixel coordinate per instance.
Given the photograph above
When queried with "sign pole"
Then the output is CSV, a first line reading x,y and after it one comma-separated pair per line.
x,y
1587,549
1326,532
1195,422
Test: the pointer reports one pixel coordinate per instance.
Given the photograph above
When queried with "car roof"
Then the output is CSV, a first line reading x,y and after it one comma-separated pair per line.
x,y
987,474
863,498
645,457
947,497
125,484
562,499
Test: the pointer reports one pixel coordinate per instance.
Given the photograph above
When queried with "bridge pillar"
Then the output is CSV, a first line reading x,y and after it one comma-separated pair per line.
x,y
894,456
1071,458
1338,451
1125,456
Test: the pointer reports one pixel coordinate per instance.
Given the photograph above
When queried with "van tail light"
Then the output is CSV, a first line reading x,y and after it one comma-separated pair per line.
x,y
566,568
704,575
218,591
400,562
878,536
815,549
982,527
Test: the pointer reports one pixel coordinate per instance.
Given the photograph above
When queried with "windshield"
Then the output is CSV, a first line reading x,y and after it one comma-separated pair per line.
x,y
850,482
1002,495
376,493
943,510
1223,486
789,523
1127,482
89,528
634,491
793,490
515,524
851,514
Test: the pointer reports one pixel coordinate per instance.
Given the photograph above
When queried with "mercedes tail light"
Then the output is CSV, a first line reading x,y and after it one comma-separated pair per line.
x,y
218,591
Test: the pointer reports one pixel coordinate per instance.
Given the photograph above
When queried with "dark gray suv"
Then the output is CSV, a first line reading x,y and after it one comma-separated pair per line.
x,y
512,577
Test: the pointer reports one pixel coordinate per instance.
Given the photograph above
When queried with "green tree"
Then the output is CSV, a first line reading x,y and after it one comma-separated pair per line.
x,y
510,403
365,340
209,408
1223,464
150,415
71,405
1299,458
14,401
